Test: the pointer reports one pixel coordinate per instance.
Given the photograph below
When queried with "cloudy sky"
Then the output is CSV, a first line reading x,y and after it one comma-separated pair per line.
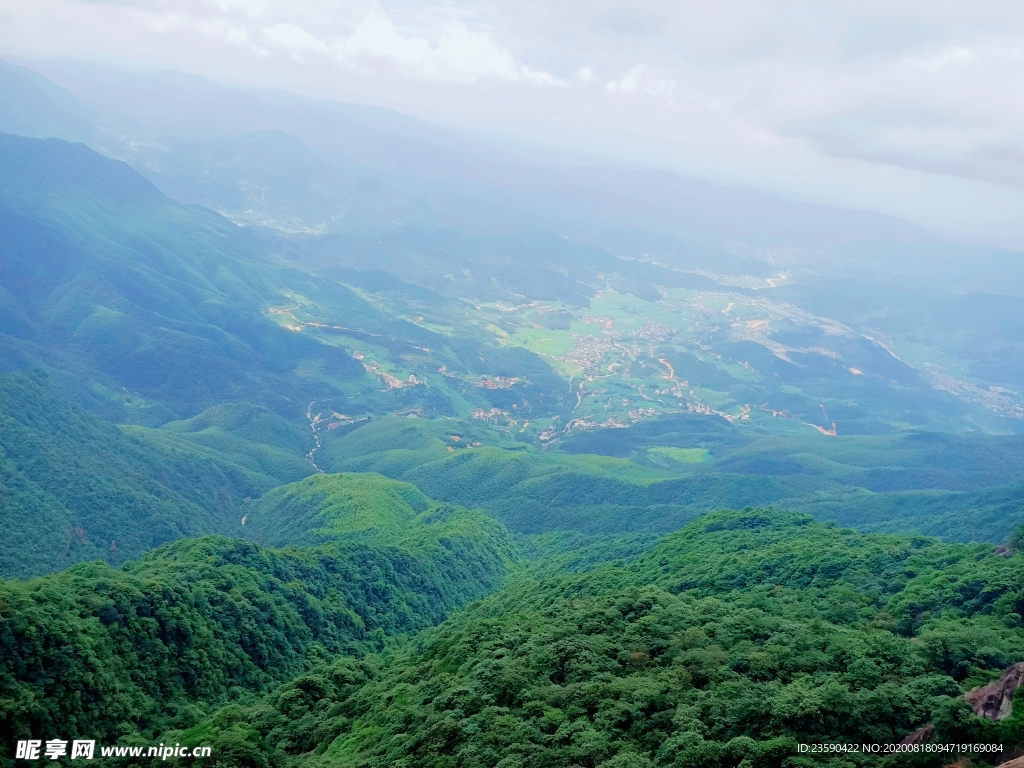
x,y
910,107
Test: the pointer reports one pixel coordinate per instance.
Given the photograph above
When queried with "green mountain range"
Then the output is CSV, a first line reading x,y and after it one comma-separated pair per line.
x,y
108,652
391,453
727,643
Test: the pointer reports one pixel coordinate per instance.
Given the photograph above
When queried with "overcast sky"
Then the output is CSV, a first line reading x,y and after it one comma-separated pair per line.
x,y
910,107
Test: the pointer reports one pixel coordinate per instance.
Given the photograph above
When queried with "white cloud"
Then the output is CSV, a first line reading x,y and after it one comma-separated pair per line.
x,y
946,58
962,55
293,37
642,80
458,54
817,99
584,75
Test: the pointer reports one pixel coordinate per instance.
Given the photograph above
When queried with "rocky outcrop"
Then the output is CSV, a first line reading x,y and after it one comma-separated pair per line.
x,y
921,735
995,701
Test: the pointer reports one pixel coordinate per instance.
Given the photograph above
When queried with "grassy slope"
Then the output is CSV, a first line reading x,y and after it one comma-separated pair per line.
x,y
529,490
328,506
911,482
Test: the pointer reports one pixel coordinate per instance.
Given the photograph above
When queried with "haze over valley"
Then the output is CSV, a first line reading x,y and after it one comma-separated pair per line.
x,y
388,443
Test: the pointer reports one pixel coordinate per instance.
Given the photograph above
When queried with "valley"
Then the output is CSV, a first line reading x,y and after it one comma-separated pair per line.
x,y
320,455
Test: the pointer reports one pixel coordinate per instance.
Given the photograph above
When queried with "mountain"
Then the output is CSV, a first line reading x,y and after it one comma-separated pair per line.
x,y
263,358
36,107
726,644
167,103
191,625
450,214
121,291
74,487
639,210
331,437
655,476
103,273
258,178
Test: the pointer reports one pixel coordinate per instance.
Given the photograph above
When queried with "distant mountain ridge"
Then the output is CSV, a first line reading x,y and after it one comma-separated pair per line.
x,y
102,270
198,110
38,108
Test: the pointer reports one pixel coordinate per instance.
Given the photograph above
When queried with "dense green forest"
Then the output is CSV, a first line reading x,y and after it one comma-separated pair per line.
x,y
109,653
74,487
724,644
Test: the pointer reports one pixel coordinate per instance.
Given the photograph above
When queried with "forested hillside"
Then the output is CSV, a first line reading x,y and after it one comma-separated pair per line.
x,y
148,311
74,487
726,644
110,653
